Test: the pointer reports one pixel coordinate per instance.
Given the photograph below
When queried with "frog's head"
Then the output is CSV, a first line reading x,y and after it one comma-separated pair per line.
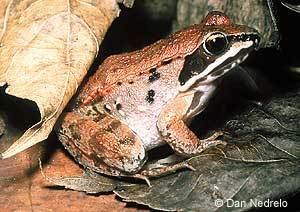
x,y
222,46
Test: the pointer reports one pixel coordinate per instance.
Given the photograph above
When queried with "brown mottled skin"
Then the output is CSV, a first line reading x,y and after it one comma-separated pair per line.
x,y
129,66
140,100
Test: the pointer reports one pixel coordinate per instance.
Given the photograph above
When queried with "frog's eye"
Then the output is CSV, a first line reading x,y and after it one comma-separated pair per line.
x,y
215,44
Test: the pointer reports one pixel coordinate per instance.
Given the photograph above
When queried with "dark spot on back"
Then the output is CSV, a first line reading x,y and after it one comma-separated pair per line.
x,y
154,76
130,82
119,83
152,70
150,96
118,106
151,78
150,99
151,93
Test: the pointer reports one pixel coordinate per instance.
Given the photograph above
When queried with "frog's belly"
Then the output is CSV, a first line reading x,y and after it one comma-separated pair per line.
x,y
145,127
140,115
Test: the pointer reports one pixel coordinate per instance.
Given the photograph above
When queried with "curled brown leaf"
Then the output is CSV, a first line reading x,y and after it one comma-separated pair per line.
x,y
47,46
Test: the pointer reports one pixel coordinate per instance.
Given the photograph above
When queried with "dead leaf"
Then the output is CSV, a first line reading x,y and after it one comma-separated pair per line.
x,y
47,46
89,182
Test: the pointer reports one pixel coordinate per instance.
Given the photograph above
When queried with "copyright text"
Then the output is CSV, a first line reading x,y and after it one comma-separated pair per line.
x,y
230,203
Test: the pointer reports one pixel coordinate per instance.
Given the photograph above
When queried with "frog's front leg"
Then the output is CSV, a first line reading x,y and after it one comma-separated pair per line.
x,y
102,143
175,132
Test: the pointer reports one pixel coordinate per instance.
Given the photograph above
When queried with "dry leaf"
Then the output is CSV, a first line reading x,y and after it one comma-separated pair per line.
x,y
47,46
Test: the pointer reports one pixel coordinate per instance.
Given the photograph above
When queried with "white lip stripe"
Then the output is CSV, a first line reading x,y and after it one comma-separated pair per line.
x,y
233,51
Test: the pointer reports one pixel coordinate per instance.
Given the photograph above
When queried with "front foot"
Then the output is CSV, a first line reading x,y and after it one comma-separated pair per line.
x,y
211,141
183,140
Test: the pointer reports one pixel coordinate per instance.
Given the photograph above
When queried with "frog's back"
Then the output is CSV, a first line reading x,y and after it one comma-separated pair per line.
x,y
134,63
127,66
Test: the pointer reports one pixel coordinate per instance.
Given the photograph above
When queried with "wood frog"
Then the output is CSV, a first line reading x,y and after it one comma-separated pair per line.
x,y
143,99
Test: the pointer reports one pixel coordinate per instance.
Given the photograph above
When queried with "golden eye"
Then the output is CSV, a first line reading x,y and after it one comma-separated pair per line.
x,y
216,44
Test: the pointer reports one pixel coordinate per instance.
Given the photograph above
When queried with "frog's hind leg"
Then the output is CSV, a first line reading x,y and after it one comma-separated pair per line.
x,y
103,144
